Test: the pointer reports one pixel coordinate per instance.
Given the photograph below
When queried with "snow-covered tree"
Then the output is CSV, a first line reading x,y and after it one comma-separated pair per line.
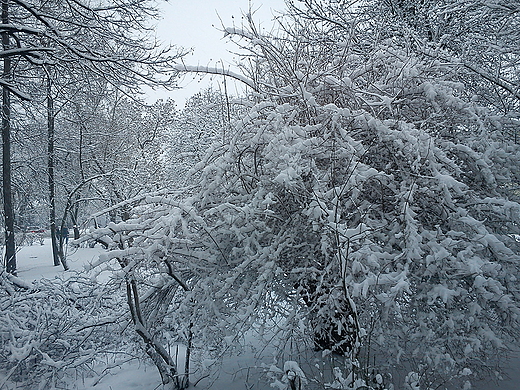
x,y
362,200
477,40
201,126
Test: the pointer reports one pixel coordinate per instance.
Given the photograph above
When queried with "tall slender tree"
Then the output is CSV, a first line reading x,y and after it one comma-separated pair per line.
x,y
10,251
50,170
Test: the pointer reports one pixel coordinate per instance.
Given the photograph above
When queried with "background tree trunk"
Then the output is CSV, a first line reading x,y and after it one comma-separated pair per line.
x,y
50,169
10,250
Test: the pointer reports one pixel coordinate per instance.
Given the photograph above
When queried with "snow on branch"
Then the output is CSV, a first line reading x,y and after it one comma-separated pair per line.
x,y
12,28
506,85
14,91
215,70
14,280
238,31
24,51
131,201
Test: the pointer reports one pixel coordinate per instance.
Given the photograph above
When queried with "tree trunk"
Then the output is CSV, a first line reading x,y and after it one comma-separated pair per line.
x,y
160,357
50,170
74,216
75,213
57,247
63,241
10,249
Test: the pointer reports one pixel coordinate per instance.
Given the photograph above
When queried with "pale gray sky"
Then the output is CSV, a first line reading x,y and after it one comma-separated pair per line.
x,y
196,24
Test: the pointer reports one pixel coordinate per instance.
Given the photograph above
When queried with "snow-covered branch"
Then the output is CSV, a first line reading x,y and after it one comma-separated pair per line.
x,y
216,70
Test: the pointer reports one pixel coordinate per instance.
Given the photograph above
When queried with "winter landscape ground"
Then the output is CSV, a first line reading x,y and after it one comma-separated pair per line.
x,y
246,370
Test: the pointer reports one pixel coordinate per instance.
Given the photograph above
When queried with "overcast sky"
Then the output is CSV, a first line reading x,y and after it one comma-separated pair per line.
x,y
196,24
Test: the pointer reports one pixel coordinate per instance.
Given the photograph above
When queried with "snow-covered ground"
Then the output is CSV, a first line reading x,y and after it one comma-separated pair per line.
x,y
35,261
245,371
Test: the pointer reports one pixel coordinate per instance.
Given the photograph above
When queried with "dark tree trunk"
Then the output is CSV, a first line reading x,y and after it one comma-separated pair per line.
x,y
50,170
57,247
76,232
62,242
10,249
75,213
74,216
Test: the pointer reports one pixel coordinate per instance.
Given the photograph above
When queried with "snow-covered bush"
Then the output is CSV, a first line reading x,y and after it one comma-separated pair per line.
x,y
362,201
52,332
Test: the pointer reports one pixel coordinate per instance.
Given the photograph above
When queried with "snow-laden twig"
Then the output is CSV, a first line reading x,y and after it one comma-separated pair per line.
x,y
218,71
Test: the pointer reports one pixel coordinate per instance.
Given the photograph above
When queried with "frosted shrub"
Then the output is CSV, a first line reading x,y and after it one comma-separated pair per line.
x,y
54,331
